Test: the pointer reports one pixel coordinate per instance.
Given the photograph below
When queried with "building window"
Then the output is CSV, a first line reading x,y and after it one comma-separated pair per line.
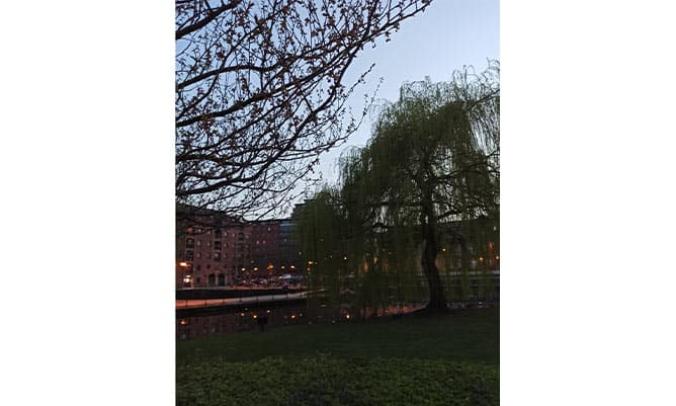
x,y
188,255
218,233
199,255
211,279
190,242
217,256
221,279
217,245
199,243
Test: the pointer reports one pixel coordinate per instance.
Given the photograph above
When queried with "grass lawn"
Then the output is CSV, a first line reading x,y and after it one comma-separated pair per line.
x,y
444,360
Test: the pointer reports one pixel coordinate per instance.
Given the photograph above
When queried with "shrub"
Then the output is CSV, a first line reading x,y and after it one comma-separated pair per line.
x,y
324,380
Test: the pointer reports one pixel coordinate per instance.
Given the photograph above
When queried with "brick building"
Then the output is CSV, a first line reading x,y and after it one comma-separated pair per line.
x,y
208,256
220,251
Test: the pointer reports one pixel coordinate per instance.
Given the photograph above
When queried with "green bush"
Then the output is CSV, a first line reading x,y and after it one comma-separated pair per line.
x,y
324,380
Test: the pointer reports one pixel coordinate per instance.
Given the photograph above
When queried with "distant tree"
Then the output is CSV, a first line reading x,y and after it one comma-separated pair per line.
x,y
433,159
261,92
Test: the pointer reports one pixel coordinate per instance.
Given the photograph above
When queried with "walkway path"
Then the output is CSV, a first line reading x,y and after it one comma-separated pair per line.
x,y
198,303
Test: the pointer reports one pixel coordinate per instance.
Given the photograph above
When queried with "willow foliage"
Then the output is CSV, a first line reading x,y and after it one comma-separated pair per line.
x,y
426,186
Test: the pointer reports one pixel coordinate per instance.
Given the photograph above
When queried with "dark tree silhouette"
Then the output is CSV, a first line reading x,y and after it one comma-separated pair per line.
x,y
260,92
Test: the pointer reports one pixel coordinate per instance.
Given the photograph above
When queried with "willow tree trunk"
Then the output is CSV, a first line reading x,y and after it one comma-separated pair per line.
x,y
437,300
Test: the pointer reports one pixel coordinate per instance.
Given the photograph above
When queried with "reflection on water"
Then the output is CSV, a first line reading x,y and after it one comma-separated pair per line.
x,y
218,324
284,315
253,319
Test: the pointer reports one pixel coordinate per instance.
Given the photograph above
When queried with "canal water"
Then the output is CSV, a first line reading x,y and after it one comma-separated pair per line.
x,y
293,314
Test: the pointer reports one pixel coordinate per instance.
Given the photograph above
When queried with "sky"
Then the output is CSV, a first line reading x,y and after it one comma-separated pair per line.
x,y
450,34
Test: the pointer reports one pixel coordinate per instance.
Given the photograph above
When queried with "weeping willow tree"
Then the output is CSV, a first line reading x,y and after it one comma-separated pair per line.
x,y
433,160
321,226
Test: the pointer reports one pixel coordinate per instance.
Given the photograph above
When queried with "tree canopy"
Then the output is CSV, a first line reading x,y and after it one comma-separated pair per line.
x,y
261,92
